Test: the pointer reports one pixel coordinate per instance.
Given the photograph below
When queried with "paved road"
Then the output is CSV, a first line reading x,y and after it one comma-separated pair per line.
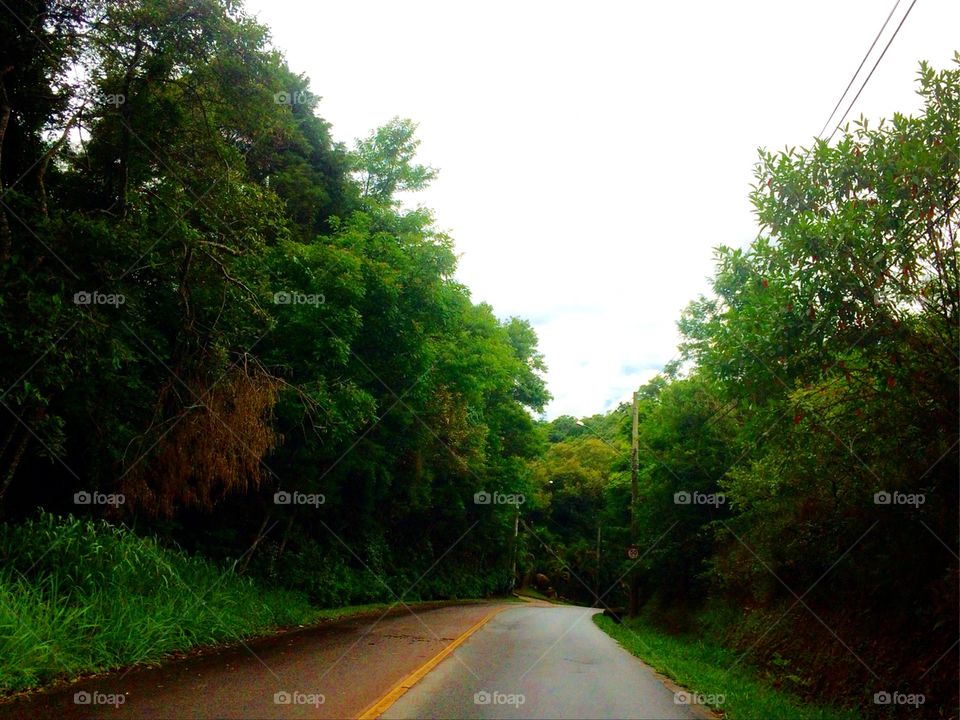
x,y
540,662
533,661
351,664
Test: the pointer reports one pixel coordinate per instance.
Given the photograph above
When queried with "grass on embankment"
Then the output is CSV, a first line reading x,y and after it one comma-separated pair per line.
x,y
709,669
80,597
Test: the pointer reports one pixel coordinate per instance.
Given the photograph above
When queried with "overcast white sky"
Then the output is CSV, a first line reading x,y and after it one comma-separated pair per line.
x,y
593,153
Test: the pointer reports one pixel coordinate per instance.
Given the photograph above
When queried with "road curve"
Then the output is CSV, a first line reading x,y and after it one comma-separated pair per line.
x,y
541,662
553,657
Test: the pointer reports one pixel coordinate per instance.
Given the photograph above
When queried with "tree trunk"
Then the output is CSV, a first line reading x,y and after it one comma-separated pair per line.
x,y
6,242
14,463
47,156
261,534
283,541
126,131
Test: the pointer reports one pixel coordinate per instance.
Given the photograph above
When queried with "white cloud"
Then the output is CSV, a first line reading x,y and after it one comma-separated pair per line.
x,y
591,155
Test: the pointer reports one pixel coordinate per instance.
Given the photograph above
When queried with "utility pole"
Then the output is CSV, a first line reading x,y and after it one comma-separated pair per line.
x,y
596,592
634,578
516,532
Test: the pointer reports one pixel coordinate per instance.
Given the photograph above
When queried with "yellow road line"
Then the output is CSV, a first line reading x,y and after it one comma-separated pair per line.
x,y
381,705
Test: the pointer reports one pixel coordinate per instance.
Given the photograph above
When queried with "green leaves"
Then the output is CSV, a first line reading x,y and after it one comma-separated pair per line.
x,y
284,321
384,163
834,337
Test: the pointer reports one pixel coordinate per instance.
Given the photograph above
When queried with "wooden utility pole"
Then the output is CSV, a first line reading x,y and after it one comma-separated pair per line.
x,y
596,592
516,532
634,577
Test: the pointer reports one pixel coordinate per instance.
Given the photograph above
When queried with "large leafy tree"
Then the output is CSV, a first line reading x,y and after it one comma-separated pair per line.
x,y
279,321
833,340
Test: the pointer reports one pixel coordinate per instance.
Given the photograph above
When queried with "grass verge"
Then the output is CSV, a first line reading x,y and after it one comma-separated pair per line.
x,y
80,597
712,672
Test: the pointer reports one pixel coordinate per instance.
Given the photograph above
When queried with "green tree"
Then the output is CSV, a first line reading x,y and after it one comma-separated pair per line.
x,y
384,161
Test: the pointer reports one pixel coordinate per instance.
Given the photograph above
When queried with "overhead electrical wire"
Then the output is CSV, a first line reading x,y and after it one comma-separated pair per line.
x,y
857,72
886,47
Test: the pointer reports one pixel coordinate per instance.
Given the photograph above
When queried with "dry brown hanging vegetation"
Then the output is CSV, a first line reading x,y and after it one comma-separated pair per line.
x,y
211,447
448,418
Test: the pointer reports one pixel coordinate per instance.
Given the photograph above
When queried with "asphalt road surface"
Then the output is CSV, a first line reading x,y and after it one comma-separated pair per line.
x,y
527,661
540,662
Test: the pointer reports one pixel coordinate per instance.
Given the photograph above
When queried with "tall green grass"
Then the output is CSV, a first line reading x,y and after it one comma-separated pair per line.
x,y
80,596
712,670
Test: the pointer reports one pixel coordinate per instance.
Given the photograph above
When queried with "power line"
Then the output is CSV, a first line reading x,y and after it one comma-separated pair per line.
x,y
887,47
855,74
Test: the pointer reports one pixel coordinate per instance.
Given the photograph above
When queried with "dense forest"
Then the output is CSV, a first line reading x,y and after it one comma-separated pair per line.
x,y
218,314
229,333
